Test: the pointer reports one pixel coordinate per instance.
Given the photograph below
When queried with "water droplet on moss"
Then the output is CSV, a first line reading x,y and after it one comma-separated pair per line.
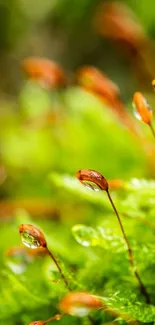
x,y
17,260
84,235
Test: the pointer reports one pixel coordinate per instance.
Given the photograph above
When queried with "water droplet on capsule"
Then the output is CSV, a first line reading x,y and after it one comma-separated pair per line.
x,y
29,241
85,236
142,109
79,303
31,236
79,311
91,186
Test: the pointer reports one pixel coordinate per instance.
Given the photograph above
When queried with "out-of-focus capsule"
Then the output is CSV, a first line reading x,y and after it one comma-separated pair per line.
x,y
79,303
115,184
94,80
44,71
142,109
153,84
117,21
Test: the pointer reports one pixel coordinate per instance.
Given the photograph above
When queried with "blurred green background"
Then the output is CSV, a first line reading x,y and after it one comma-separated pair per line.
x,y
63,30
86,133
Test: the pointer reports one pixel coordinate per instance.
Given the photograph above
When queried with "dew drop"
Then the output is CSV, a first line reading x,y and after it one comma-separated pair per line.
x,y
142,109
136,113
110,241
84,235
31,236
79,311
29,241
91,186
17,260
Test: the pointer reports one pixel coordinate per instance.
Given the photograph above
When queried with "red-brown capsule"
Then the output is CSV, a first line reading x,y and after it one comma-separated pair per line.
x,y
44,70
92,179
142,109
37,322
79,303
31,236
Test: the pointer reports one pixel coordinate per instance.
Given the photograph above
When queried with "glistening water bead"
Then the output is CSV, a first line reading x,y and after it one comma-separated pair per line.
x,y
85,236
91,186
18,259
31,236
142,109
29,240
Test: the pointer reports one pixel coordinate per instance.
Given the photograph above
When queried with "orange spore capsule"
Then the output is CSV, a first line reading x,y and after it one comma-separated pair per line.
x,y
31,236
96,82
74,302
90,177
153,84
44,70
115,20
115,184
40,251
16,251
92,79
143,110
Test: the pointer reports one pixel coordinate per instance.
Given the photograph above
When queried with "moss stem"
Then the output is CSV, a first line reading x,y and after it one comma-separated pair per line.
x,y
59,268
130,254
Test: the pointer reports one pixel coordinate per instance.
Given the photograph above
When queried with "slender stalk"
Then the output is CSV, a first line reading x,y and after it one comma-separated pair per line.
x,y
130,254
56,317
59,316
152,129
58,267
92,321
